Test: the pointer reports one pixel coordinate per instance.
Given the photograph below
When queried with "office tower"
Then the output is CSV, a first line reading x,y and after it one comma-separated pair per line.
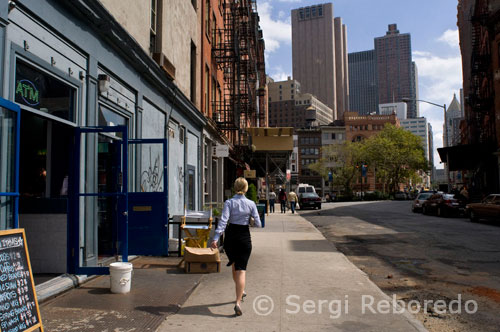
x,y
315,36
341,68
414,80
363,88
396,74
454,115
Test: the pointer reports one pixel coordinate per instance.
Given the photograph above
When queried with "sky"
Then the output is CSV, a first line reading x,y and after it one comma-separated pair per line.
x,y
434,40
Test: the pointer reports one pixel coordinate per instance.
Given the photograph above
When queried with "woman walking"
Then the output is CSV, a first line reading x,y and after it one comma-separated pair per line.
x,y
292,198
237,241
272,200
282,199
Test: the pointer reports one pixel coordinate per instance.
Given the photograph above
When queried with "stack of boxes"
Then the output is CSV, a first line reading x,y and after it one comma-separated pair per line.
x,y
201,260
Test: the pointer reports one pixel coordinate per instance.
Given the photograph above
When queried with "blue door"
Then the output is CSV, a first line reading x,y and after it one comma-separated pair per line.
x,y
98,199
106,220
9,164
148,205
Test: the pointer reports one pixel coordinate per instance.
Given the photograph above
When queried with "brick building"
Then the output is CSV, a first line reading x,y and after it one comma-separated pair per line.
x,y
478,154
360,127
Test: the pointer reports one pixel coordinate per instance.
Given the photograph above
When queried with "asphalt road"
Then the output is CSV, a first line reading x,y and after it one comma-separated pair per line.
x,y
422,258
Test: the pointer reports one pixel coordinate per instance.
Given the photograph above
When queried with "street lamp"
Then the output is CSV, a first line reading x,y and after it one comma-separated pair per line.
x,y
445,138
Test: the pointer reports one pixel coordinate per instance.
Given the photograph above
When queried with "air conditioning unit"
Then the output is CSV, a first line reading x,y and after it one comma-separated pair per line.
x,y
167,66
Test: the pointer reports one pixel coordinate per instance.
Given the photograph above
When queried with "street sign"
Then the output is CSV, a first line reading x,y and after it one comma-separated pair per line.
x,y
288,175
220,150
251,174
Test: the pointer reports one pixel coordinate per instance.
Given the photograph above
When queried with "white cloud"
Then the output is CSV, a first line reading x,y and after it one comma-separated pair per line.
x,y
439,78
278,74
276,31
450,37
289,1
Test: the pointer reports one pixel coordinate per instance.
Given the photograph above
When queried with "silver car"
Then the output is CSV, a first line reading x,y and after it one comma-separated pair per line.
x,y
416,206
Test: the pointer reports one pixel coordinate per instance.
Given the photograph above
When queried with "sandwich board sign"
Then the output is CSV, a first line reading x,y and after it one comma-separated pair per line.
x,y
19,309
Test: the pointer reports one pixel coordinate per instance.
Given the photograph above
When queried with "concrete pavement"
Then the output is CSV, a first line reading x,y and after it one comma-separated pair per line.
x,y
296,281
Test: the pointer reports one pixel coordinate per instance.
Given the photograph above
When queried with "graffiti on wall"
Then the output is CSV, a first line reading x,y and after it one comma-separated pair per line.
x,y
152,176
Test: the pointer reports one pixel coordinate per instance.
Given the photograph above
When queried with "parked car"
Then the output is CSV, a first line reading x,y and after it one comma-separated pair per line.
x,y
443,205
489,208
309,200
305,188
401,195
416,206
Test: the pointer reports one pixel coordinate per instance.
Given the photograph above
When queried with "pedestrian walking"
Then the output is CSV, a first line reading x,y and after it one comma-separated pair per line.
x,y
236,216
292,198
272,200
282,199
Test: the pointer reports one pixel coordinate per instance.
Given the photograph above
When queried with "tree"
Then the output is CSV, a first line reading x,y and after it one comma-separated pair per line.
x,y
252,193
341,160
396,154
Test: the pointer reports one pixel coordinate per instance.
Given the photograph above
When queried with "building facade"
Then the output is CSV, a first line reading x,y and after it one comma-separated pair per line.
x,y
360,127
288,107
454,116
122,105
317,41
395,71
363,87
400,109
309,152
420,127
86,71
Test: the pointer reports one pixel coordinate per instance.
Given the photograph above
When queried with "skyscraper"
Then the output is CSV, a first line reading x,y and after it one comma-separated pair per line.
x,y
316,42
363,88
396,74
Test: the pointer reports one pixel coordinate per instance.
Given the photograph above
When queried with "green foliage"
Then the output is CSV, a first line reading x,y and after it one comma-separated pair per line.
x,y
341,160
252,193
394,154
216,212
397,155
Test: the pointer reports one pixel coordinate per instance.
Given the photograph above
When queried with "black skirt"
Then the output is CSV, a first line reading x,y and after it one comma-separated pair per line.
x,y
238,245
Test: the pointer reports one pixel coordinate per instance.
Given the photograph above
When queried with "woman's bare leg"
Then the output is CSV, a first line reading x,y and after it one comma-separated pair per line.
x,y
240,285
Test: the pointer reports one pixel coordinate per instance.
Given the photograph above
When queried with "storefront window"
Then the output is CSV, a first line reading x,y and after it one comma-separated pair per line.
x,y
7,165
43,92
108,117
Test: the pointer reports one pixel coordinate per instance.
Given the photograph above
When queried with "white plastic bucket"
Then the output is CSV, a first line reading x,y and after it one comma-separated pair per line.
x,y
120,277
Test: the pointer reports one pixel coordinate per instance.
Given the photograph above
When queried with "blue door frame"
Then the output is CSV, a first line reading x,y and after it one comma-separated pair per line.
x,y
142,219
14,194
75,194
148,211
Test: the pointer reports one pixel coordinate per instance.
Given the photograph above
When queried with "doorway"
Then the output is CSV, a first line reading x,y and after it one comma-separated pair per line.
x,y
43,187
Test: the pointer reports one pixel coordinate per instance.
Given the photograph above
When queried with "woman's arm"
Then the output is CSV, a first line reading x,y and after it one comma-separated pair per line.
x,y
221,226
255,215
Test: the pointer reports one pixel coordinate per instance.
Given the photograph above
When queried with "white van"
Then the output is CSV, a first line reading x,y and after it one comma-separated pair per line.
x,y
305,188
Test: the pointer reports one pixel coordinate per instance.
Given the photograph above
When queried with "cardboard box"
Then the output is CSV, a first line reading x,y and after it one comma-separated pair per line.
x,y
201,255
202,267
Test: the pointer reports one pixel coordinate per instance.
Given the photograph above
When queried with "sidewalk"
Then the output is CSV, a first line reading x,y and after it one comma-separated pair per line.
x,y
296,281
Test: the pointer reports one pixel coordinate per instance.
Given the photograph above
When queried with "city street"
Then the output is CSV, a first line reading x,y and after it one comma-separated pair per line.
x,y
420,258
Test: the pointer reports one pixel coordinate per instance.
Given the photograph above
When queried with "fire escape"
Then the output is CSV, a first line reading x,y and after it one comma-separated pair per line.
x,y
239,54
481,97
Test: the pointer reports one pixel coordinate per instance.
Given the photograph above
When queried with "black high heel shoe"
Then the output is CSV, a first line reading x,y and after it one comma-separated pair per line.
x,y
237,310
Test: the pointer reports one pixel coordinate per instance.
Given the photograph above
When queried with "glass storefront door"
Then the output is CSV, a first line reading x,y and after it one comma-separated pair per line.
x,y
98,199
9,164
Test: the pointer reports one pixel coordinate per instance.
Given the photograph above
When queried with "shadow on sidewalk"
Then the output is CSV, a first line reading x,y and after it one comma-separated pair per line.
x,y
204,309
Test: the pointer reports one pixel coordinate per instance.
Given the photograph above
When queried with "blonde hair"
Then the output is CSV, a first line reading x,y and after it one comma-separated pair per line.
x,y
240,186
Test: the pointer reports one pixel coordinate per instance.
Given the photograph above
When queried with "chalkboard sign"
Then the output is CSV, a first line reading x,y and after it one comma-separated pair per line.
x,y
18,304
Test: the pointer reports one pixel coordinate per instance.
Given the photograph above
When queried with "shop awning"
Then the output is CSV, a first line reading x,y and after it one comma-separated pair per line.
x,y
465,157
